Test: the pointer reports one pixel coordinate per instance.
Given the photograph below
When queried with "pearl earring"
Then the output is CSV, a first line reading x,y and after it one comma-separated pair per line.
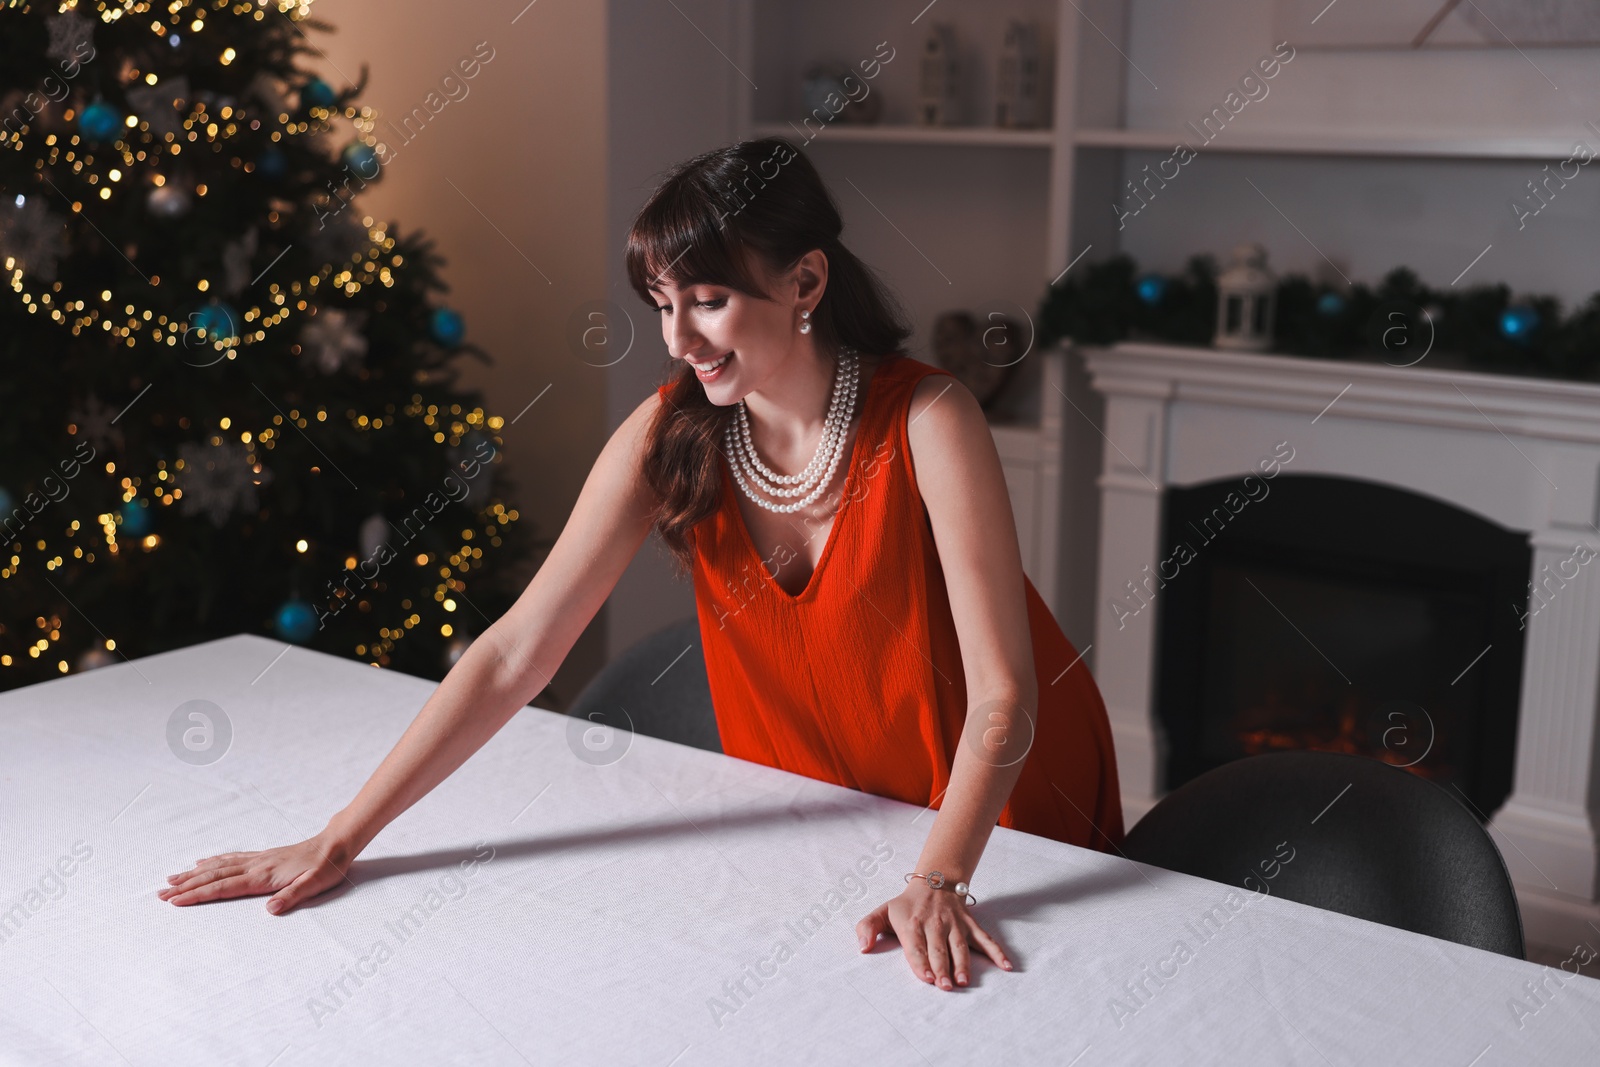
x,y
805,327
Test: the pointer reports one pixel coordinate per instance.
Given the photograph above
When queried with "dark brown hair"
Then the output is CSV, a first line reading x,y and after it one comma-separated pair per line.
x,y
702,225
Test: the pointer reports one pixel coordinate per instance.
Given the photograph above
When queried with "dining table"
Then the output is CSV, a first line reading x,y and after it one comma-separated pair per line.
x,y
577,893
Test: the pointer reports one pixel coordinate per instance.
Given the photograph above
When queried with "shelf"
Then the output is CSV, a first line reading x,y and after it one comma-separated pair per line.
x,y
1506,147
896,133
1333,144
1287,143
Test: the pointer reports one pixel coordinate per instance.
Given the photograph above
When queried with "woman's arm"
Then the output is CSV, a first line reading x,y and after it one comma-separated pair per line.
x,y
497,675
963,486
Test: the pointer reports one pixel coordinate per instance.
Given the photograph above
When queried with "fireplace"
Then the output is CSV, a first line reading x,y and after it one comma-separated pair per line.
x,y
1312,621
1317,612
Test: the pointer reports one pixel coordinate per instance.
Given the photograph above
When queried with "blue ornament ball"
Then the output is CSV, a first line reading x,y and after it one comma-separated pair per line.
x,y
296,621
448,327
1518,322
1151,288
218,320
100,121
8,503
317,93
135,518
272,163
1330,305
361,159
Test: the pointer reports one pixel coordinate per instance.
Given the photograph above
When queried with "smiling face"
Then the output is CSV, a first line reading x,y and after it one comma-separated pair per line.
x,y
735,341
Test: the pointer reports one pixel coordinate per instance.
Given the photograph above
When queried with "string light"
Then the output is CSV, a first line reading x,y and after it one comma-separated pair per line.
x,y
131,164
267,437
140,150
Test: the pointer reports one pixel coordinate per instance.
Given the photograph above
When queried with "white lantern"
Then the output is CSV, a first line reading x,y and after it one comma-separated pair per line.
x,y
1244,301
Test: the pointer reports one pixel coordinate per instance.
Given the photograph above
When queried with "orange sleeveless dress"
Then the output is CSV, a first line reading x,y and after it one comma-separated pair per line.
x,y
858,679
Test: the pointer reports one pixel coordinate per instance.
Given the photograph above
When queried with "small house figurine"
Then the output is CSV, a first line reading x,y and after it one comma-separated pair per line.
x,y
1018,93
1244,301
939,101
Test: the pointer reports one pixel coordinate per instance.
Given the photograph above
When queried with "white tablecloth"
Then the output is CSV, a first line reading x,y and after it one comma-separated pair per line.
x,y
539,907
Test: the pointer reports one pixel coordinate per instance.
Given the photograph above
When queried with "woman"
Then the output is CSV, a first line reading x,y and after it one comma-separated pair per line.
x,y
864,616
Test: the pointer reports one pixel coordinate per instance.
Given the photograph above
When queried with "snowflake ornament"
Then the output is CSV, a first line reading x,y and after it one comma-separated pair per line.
x,y
69,32
33,235
97,423
268,92
332,340
236,262
157,104
219,478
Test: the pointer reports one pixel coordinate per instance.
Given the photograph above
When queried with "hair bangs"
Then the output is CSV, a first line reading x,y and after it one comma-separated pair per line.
x,y
680,240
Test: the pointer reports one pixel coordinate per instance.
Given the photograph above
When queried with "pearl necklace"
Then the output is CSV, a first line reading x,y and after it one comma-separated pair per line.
x,y
818,474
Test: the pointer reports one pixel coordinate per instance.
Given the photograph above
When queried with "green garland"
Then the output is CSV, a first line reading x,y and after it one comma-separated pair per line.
x,y
1102,304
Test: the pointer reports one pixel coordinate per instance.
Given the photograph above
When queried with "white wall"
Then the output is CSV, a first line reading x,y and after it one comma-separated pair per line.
x,y
559,141
509,181
1366,214
671,96
1193,51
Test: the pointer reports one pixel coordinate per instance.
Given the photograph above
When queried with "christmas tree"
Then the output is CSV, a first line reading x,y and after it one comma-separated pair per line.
x,y
230,403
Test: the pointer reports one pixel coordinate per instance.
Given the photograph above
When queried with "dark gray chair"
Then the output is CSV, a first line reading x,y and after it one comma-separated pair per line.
x,y
1393,848
658,688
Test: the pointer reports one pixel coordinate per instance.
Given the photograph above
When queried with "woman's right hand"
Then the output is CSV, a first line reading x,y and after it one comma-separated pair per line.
x,y
292,873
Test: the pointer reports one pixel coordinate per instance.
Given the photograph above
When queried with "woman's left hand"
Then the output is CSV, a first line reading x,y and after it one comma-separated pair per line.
x,y
934,928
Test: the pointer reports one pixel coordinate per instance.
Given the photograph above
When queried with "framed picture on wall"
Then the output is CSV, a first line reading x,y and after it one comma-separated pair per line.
x,y
1374,24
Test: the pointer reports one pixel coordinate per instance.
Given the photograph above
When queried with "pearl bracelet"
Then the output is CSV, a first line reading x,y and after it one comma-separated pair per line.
x,y
935,880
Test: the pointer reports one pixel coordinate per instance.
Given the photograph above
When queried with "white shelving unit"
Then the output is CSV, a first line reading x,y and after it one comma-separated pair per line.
x,y
973,179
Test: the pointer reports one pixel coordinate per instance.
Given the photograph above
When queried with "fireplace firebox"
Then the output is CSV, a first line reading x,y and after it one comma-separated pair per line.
x,y
1318,612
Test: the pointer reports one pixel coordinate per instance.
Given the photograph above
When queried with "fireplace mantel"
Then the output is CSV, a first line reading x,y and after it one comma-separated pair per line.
x,y
1524,452
1539,407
